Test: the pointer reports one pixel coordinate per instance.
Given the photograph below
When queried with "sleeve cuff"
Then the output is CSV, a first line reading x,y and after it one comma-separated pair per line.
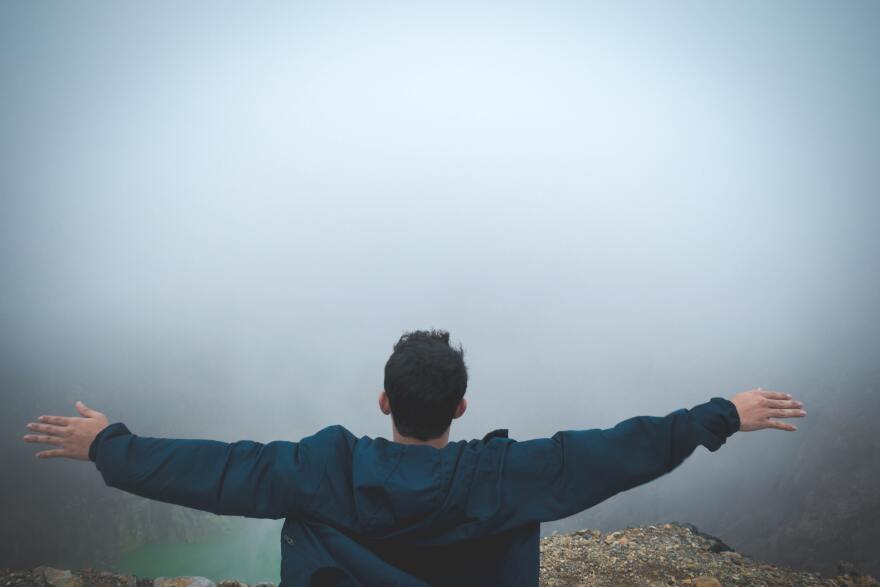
x,y
715,421
114,429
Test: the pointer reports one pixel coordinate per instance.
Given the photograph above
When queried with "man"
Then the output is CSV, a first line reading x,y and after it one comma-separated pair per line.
x,y
418,510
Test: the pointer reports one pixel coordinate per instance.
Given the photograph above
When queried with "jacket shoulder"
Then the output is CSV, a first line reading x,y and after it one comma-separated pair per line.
x,y
335,437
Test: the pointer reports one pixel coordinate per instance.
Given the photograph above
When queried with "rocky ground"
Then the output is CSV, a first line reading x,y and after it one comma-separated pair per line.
x,y
669,554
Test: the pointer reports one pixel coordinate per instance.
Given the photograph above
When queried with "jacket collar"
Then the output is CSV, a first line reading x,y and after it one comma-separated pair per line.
x,y
498,432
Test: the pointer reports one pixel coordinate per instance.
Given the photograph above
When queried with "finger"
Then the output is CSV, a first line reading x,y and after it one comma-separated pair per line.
x,y
781,425
43,439
773,394
51,454
782,403
87,411
787,414
59,420
49,428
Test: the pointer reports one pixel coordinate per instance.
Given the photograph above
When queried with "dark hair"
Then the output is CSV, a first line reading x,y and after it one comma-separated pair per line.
x,y
425,379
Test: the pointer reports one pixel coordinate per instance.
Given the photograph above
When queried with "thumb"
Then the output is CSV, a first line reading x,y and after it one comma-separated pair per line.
x,y
85,411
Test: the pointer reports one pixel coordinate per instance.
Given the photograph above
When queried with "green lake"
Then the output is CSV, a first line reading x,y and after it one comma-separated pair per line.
x,y
228,557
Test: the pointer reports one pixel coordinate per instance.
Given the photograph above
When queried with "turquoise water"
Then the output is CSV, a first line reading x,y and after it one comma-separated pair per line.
x,y
229,557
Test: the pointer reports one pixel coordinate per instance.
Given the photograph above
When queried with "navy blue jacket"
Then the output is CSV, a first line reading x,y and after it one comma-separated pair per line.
x,y
368,511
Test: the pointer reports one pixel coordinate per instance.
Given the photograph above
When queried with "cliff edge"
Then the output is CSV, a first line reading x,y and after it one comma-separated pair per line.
x,y
667,554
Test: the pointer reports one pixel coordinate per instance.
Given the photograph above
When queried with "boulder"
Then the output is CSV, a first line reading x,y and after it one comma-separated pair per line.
x,y
52,577
188,581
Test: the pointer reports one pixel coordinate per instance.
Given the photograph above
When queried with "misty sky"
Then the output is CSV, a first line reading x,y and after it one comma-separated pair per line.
x,y
216,219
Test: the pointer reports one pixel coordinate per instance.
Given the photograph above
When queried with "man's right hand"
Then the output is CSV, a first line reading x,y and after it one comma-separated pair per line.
x,y
72,436
756,408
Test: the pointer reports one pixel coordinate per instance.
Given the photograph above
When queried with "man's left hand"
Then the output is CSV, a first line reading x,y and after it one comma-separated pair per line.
x,y
72,436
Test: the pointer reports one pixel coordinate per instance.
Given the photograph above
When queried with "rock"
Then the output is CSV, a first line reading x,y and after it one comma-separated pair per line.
x,y
715,543
665,555
109,579
854,581
847,568
183,582
53,577
612,537
650,556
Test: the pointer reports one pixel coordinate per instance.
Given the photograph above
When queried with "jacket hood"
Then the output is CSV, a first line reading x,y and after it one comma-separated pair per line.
x,y
412,489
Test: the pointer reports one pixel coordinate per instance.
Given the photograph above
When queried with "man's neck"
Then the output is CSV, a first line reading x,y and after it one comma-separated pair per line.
x,y
438,442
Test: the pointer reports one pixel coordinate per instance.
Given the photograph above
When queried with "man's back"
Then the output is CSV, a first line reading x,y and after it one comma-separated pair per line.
x,y
397,514
375,512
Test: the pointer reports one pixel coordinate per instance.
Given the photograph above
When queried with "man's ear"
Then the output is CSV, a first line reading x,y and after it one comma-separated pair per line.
x,y
384,404
460,408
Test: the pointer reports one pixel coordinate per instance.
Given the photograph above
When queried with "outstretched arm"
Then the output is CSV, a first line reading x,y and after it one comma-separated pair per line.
x,y
552,478
243,478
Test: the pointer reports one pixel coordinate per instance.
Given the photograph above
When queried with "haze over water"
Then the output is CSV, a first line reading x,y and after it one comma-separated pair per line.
x,y
216,220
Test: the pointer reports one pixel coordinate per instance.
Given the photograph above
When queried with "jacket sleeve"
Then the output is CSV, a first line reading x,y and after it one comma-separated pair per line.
x,y
243,478
551,478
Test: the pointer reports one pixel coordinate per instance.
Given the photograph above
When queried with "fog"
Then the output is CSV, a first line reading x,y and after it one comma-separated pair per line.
x,y
217,219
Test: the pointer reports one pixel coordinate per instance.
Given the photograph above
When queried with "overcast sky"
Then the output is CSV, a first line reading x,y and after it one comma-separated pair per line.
x,y
217,219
